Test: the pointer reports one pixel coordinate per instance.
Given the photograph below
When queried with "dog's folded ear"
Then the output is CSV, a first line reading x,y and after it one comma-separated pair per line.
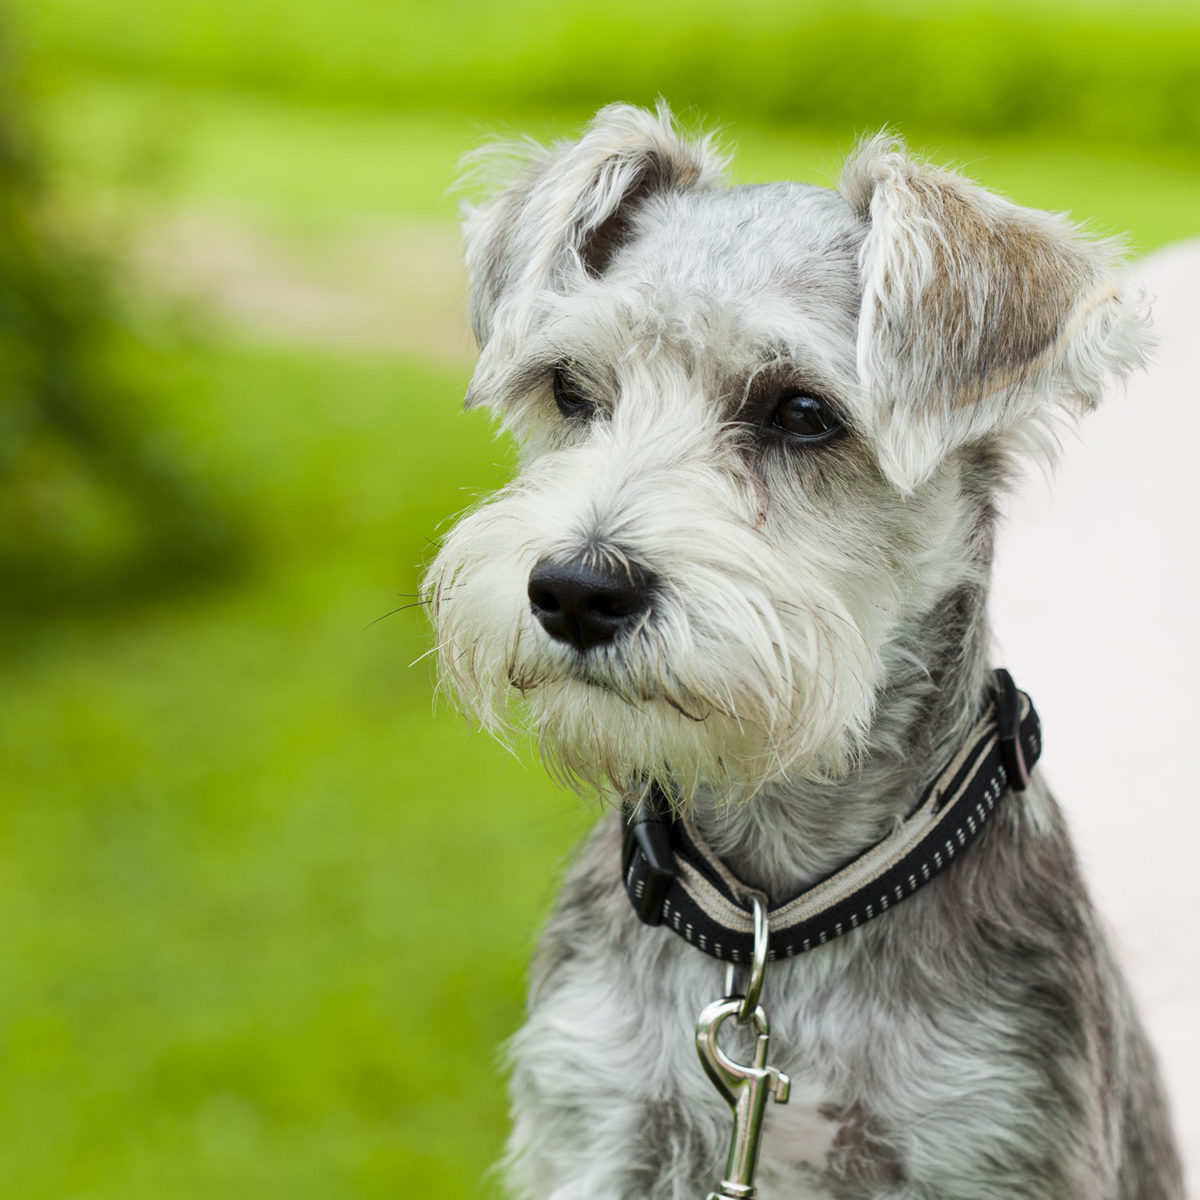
x,y
568,212
978,317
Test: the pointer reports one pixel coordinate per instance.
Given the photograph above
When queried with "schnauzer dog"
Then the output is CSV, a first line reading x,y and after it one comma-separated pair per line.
x,y
740,585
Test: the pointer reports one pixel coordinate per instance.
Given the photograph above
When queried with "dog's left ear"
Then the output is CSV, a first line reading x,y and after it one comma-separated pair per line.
x,y
977,315
561,220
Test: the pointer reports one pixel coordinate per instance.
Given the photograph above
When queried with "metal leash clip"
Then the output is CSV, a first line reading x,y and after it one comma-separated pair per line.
x,y
744,1088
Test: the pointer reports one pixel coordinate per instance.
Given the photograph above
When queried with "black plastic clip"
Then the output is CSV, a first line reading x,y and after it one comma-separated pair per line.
x,y
648,829
1008,729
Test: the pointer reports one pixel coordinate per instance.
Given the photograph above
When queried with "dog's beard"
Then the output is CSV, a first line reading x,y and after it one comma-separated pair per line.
x,y
731,681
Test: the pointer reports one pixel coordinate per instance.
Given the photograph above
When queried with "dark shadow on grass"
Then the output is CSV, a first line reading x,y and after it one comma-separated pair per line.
x,y
95,511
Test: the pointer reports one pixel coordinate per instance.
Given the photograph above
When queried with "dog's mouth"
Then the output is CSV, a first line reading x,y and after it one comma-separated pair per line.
x,y
579,667
583,668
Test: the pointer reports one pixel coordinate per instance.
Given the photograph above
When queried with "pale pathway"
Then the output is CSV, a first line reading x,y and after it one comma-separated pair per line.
x,y
1096,616
386,288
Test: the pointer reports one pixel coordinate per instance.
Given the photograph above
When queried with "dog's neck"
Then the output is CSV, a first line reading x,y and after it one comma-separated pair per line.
x,y
795,832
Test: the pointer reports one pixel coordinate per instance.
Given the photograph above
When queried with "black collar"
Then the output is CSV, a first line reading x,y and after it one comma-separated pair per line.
x,y
673,878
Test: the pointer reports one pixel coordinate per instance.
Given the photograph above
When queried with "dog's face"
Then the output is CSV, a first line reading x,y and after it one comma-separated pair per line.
x,y
747,419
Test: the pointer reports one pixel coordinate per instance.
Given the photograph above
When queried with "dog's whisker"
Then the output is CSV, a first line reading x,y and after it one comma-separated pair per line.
x,y
433,650
403,608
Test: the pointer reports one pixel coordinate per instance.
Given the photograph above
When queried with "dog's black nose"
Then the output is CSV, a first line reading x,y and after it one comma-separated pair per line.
x,y
586,604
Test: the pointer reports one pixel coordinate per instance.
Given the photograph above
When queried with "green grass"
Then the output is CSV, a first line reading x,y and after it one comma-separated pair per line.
x,y
1102,72
267,918
136,149
138,145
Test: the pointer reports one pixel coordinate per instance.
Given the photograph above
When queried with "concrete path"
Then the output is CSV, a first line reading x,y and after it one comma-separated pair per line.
x,y
1095,610
386,288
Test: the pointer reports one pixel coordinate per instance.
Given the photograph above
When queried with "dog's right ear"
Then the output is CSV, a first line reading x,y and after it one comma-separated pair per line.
x,y
566,215
979,319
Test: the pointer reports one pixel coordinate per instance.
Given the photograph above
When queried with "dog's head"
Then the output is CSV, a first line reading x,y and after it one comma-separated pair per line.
x,y
752,422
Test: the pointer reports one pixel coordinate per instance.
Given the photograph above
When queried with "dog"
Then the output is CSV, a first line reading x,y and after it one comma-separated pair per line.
x,y
740,585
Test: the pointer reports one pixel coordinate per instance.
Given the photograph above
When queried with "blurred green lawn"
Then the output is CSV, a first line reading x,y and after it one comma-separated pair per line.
x,y
268,915
267,918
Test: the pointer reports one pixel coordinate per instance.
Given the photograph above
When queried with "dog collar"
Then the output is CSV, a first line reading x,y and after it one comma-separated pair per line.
x,y
674,878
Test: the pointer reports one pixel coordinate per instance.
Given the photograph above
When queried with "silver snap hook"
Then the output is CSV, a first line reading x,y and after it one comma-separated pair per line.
x,y
745,1087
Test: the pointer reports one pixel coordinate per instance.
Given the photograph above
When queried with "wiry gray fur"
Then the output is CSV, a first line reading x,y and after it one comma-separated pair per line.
x,y
816,648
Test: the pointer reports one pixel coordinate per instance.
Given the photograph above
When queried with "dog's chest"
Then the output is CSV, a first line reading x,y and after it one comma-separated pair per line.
x,y
606,1068
810,1147
828,1140
607,1081
819,1154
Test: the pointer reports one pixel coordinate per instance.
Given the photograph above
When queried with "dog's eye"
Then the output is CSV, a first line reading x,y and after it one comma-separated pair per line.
x,y
570,397
806,417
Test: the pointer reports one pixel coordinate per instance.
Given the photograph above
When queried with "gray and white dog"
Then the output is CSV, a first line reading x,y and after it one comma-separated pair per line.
x,y
763,434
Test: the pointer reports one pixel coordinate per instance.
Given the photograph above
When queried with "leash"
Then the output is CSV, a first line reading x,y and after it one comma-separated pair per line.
x,y
673,878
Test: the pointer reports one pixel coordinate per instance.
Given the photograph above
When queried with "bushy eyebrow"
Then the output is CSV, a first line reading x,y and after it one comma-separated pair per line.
x,y
524,375
774,372
506,385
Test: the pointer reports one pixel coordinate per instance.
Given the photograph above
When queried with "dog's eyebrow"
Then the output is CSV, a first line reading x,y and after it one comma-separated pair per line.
x,y
525,374
510,382
778,369
768,366
507,383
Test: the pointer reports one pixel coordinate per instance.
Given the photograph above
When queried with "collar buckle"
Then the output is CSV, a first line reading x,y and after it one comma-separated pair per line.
x,y
648,823
1008,729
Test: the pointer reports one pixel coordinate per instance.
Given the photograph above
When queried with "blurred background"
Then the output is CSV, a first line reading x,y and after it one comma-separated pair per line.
x,y
268,912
